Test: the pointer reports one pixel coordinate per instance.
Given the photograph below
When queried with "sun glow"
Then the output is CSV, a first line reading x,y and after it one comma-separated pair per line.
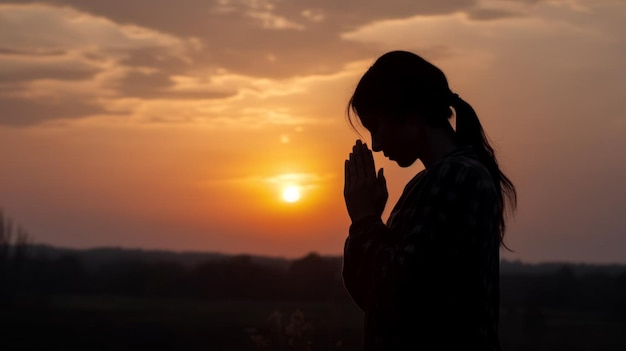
x,y
291,194
290,188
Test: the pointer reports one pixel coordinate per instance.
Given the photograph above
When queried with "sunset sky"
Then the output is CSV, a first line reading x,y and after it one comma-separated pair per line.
x,y
178,124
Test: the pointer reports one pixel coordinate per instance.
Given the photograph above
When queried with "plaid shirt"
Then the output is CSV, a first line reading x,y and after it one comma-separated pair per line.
x,y
428,279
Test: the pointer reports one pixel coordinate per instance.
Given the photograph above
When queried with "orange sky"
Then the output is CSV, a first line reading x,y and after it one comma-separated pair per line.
x,y
144,124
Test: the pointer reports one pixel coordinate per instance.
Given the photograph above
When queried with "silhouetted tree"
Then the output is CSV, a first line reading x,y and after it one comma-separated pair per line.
x,y
13,254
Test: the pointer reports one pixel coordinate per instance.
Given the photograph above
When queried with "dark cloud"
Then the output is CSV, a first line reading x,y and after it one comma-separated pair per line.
x,y
236,40
149,74
44,53
42,64
486,14
200,18
46,73
155,85
286,39
18,112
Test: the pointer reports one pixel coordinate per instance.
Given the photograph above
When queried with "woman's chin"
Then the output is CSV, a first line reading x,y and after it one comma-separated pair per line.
x,y
404,163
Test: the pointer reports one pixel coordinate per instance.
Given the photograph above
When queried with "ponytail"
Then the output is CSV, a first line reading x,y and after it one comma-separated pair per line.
x,y
469,131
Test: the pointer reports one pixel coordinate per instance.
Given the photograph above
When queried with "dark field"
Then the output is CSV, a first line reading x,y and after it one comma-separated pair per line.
x,y
110,299
115,323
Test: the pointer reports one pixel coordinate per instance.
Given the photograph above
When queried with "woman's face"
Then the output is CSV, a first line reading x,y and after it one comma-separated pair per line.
x,y
399,140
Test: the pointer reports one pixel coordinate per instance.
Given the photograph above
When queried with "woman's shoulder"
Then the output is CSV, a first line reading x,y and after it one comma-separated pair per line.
x,y
460,166
461,157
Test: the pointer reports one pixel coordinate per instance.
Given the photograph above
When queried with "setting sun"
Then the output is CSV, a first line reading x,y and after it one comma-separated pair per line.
x,y
291,194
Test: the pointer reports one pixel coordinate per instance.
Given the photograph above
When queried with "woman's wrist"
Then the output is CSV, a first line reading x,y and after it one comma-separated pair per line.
x,y
363,223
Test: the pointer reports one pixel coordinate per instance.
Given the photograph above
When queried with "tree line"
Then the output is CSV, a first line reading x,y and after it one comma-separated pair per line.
x,y
314,277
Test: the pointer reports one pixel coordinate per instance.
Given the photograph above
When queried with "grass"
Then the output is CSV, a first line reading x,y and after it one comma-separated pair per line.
x,y
119,323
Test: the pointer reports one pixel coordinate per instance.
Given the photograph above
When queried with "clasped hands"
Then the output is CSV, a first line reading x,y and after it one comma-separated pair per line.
x,y
365,190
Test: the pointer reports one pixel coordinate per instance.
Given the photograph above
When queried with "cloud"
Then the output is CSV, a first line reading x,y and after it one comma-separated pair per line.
x,y
52,57
22,66
200,60
40,27
542,31
271,21
303,180
482,14
18,112
266,38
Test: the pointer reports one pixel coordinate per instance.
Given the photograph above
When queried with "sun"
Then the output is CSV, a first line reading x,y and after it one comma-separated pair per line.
x,y
291,194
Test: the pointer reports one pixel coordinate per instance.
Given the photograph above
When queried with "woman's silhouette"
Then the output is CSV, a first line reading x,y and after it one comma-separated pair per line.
x,y
428,279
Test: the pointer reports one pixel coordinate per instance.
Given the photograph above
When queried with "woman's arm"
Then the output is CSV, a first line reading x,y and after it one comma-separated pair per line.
x,y
362,250
439,229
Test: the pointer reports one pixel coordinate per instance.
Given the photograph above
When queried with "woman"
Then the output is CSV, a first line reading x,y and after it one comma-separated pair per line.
x,y
428,278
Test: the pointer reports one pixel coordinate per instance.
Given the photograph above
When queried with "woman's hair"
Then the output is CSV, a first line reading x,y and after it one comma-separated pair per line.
x,y
401,84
